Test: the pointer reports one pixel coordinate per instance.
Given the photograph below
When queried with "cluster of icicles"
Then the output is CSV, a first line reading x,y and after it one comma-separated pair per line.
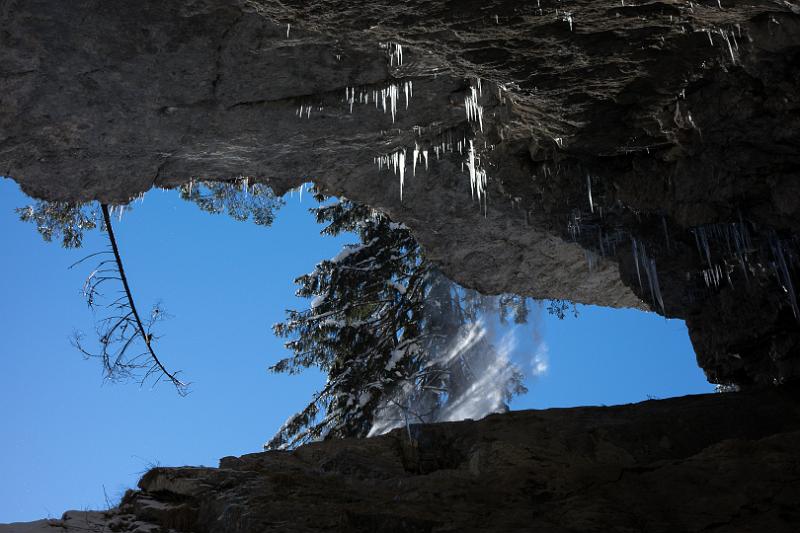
x,y
396,161
385,98
648,264
473,108
735,238
728,38
395,52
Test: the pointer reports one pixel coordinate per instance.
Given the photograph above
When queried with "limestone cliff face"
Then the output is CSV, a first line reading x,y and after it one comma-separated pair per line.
x,y
718,462
636,155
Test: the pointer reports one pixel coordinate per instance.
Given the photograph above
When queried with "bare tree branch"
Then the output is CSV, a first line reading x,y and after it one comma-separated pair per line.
x,y
119,331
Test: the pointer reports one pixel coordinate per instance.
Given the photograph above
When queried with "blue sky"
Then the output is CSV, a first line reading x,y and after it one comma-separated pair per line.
x,y
67,436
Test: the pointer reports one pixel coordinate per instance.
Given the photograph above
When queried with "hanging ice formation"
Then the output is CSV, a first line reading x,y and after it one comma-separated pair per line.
x,y
473,109
477,176
729,38
119,210
397,162
385,98
589,187
395,51
566,16
648,264
449,145
304,110
734,240
781,267
298,189
737,240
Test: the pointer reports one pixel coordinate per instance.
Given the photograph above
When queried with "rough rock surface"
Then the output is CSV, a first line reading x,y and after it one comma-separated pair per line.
x,y
642,153
709,463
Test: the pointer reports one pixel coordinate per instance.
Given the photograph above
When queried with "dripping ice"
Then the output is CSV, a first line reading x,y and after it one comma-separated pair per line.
x,y
385,98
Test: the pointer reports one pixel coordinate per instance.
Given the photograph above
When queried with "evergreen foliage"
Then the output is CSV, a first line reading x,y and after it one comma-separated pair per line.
x,y
382,324
67,221
63,221
240,200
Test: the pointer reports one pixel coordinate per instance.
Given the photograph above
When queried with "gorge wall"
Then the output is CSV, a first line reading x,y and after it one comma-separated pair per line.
x,y
635,154
709,463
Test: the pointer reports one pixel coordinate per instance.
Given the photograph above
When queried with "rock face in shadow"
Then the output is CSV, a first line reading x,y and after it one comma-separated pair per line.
x,y
717,462
636,155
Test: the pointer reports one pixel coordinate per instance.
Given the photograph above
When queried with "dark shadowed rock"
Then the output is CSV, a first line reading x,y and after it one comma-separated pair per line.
x,y
637,155
716,462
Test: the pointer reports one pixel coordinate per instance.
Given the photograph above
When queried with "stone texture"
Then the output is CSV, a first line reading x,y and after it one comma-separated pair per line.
x,y
679,114
716,462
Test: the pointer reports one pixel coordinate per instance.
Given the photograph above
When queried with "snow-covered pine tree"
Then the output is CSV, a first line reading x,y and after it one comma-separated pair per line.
x,y
62,220
382,324
240,199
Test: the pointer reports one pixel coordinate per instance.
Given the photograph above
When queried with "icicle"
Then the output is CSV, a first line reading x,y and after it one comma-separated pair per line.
x,y
784,276
425,157
724,35
288,29
635,246
649,265
350,97
402,165
566,16
701,239
471,167
652,275
477,176
589,187
397,162
415,156
392,93
397,54
473,109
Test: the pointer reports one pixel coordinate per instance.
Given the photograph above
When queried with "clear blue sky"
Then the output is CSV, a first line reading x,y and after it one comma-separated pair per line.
x,y
66,434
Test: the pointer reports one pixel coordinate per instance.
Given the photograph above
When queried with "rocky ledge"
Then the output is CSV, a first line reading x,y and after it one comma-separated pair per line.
x,y
708,463
626,154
